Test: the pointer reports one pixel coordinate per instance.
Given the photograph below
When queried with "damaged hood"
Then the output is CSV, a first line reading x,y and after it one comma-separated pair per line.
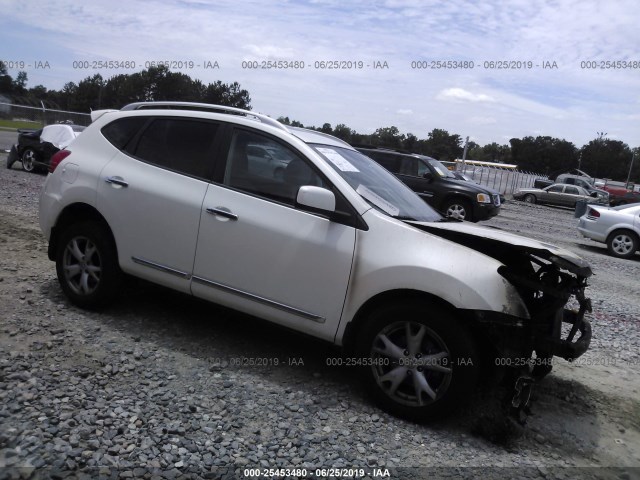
x,y
490,239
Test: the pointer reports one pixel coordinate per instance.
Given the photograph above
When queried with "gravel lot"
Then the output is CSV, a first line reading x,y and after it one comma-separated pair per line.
x,y
149,388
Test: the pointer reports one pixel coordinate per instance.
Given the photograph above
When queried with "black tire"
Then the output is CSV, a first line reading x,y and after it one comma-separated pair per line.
x,y
623,243
449,368
87,265
29,157
530,198
459,209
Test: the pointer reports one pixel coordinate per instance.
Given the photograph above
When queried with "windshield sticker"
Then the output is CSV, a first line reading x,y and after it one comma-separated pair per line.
x,y
338,160
378,201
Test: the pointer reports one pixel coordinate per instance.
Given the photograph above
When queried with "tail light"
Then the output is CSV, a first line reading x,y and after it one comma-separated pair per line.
x,y
57,158
593,213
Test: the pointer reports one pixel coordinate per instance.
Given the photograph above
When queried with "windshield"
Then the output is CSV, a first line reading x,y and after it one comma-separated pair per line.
x,y
439,168
381,189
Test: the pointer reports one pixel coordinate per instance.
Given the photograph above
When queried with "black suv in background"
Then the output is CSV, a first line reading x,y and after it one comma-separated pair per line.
x,y
436,185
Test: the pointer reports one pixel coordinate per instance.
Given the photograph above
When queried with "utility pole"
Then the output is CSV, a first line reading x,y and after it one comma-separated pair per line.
x,y
464,152
633,156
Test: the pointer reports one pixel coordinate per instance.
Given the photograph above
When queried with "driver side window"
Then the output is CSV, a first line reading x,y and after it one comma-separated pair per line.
x,y
261,166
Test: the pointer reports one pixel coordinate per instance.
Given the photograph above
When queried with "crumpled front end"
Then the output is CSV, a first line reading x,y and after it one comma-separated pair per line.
x,y
547,290
549,280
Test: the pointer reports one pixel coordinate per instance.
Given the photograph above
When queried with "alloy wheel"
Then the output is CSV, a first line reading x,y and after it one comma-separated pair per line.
x,y
28,160
82,266
456,211
411,363
622,244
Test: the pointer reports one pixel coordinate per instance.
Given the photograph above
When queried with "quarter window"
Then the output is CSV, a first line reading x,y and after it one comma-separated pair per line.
x,y
184,146
121,131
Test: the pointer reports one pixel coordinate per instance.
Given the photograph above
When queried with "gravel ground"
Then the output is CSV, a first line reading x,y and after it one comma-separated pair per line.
x,y
149,388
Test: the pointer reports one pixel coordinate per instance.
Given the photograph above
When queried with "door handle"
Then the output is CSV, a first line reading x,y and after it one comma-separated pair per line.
x,y
223,212
116,181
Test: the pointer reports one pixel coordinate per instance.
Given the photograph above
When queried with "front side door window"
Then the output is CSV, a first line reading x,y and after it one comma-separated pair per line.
x,y
262,166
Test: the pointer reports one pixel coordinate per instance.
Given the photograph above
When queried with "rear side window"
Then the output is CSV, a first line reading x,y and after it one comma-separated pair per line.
x,y
572,190
121,131
389,161
184,146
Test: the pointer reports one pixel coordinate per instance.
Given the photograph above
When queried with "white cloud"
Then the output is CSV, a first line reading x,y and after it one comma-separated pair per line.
x,y
404,111
460,94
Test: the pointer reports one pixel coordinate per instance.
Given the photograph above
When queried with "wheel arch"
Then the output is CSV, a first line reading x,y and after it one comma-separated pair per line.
x,y
455,196
622,228
71,214
385,298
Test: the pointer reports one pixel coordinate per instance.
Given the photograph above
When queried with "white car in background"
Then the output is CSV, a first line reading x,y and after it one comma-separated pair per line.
x,y
618,227
336,247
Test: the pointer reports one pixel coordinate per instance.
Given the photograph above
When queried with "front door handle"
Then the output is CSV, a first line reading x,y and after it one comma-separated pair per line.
x,y
223,212
119,181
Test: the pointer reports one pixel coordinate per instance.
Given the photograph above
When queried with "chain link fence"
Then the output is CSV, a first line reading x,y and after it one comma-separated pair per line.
x,y
24,116
505,180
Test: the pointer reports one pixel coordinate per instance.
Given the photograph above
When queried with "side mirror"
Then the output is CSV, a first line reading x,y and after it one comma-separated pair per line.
x,y
317,198
428,176
594,194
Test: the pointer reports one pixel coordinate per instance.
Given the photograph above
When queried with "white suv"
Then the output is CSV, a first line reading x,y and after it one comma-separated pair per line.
x,y
334,246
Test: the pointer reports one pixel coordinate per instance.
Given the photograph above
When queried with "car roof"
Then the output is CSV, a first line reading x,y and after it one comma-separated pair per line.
x,y
304,134
394,151
313,136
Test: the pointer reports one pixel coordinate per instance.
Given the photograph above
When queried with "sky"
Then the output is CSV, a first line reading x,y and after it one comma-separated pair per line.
x,y
557,81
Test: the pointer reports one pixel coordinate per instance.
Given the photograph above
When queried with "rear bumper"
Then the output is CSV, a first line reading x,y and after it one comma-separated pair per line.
x,y
13,156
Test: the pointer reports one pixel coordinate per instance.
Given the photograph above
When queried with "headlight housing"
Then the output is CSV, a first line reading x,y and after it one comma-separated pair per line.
x,y
484,198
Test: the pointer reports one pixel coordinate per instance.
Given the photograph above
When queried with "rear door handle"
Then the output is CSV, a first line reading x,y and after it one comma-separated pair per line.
x,y
116,181
223,212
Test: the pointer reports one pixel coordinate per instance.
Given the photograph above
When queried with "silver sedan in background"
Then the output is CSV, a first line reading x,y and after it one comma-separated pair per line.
x,y
557,194
618,227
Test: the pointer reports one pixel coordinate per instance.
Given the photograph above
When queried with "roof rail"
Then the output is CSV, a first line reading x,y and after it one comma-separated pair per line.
x,y
386,149
205,107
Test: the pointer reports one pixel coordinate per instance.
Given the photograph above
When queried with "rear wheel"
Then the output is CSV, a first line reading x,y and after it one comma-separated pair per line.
x,y
458,209
87,264
529,198
419,360
29,158
623,243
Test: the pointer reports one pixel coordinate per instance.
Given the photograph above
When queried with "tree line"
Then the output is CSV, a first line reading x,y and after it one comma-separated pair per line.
x,y
601,157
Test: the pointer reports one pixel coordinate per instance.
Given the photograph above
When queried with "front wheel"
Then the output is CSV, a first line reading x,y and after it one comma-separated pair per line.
x,y
29,159
622,243
87,265
458,209
530,198
419,360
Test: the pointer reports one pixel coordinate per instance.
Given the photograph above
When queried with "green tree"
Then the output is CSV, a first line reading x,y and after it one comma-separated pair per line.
x,y
231,95
410,143
388,137
19,85
6,82
545,155
443,146
343,132
326,128
606,158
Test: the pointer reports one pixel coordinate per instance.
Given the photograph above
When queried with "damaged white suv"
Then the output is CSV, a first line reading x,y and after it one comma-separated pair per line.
x,y
329,243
